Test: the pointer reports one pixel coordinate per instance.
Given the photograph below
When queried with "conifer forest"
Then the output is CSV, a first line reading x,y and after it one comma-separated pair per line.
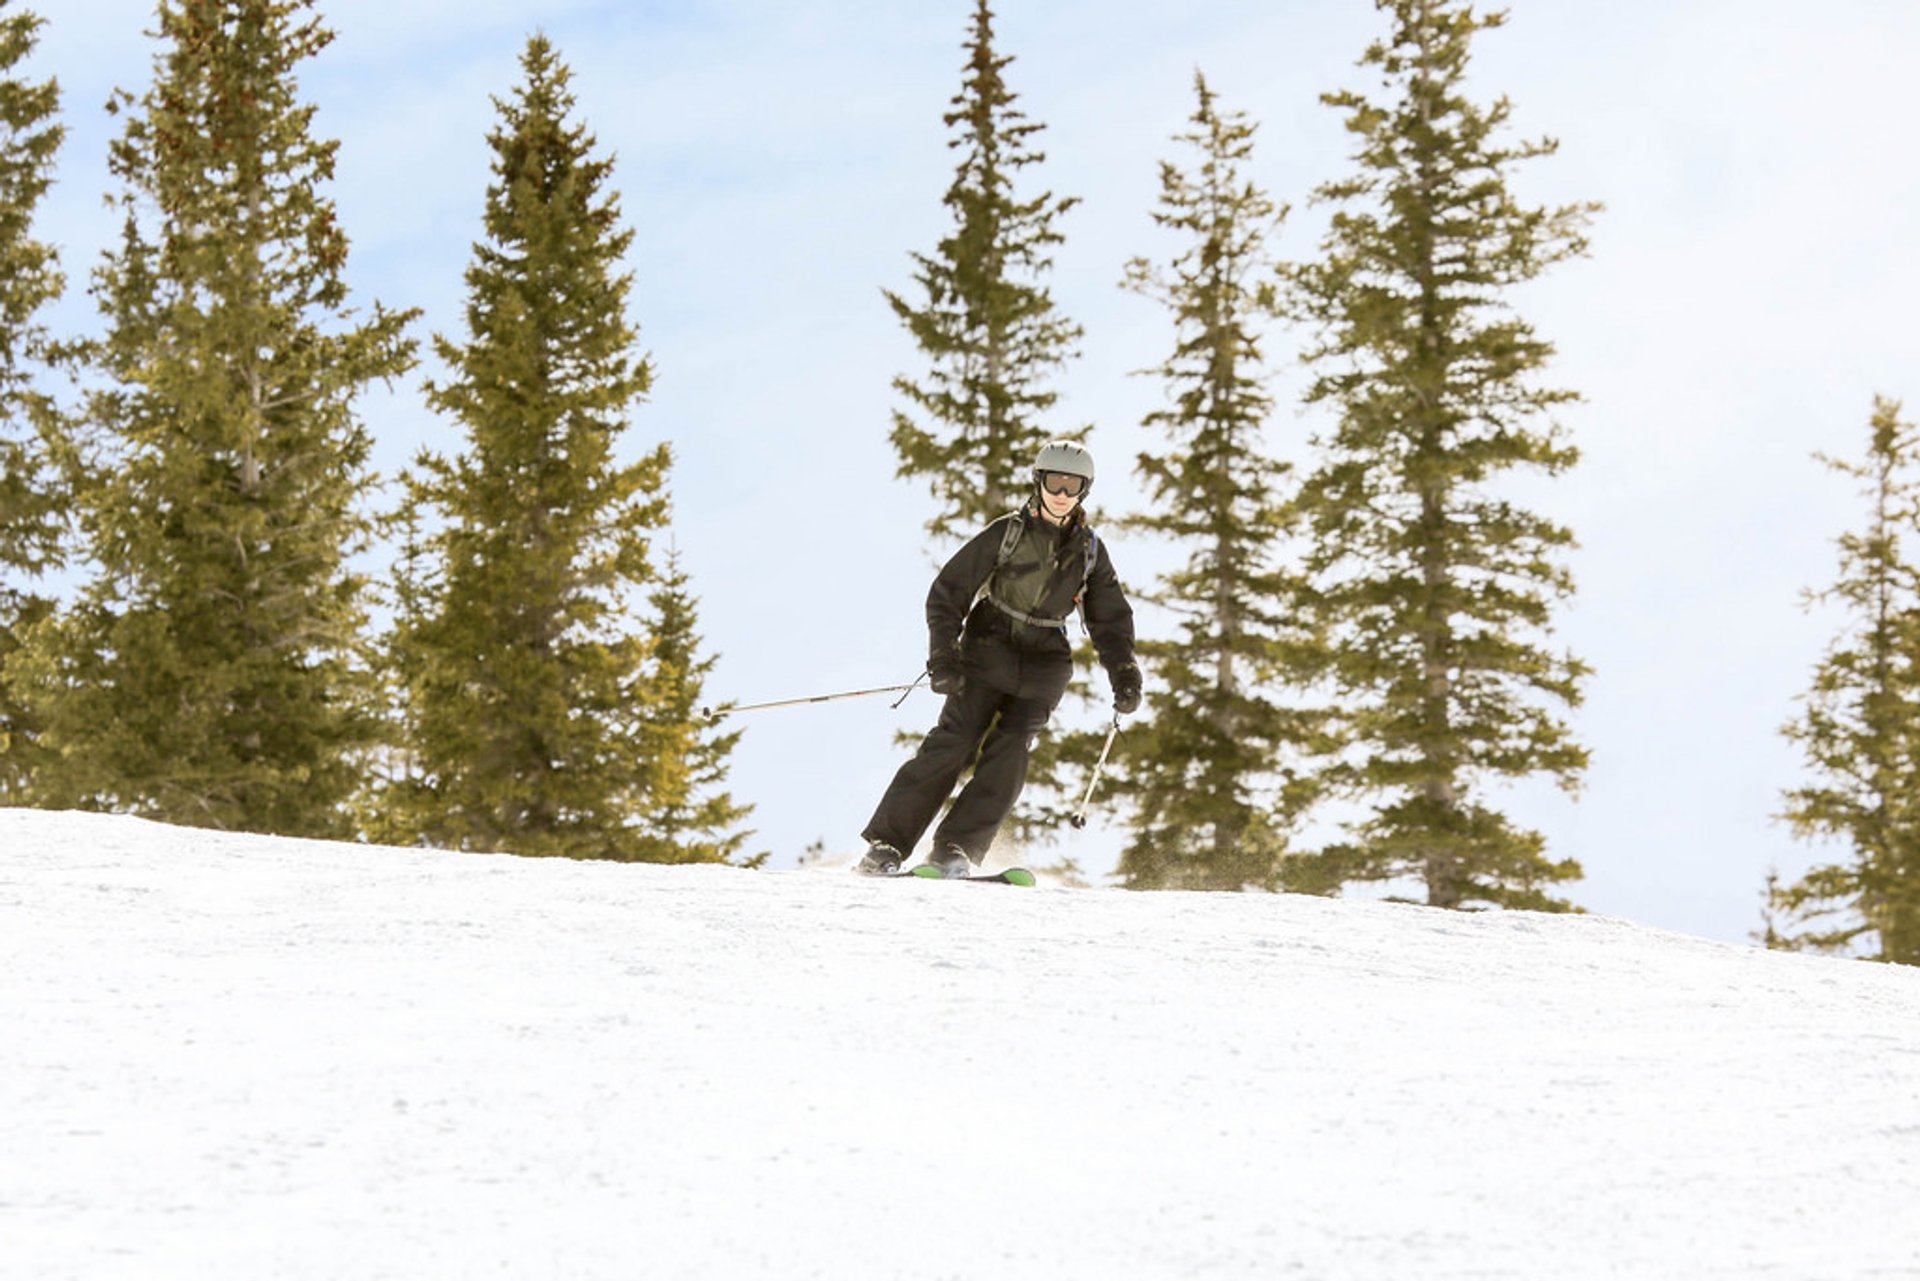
x,y
1349,511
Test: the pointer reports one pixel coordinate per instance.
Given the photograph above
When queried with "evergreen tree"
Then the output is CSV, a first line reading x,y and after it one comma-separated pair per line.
x,y
1208,771
30,278
532,725
685,816
1436,592
992,336
211,673
1860,729
989,328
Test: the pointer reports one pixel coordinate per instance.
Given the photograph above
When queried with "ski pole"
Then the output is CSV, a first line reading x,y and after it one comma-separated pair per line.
x,y
902,690
1079,817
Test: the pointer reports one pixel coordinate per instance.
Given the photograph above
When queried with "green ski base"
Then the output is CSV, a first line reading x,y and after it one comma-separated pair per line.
x,y
1011,876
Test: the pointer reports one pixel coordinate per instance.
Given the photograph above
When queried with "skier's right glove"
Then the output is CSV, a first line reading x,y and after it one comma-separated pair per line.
x,y
945,674
1126,687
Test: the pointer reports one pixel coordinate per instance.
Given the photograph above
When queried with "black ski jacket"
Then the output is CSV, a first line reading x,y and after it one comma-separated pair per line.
x,y
1040,579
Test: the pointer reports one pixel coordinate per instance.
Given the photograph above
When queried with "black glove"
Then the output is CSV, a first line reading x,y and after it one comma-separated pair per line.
x,y
945,674
1126,687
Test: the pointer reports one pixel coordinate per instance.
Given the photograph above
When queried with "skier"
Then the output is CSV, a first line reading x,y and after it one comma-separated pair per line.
x,y
998,650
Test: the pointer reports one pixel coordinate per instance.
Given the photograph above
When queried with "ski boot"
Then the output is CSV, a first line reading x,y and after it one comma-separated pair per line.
x,y
951,860
881,859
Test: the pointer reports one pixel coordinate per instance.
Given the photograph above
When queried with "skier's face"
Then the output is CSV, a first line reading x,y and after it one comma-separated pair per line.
x,y
1058,506
1060,492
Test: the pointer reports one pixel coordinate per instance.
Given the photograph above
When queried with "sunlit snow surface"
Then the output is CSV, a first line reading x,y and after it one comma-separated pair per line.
x,y
239,1057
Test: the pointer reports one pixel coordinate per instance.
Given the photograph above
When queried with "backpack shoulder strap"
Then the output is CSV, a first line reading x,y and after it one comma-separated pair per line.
x,y
1010,539
1086,577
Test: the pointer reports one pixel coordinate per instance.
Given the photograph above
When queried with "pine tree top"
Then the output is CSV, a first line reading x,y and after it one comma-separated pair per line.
x,y
987,325
30,140
30,278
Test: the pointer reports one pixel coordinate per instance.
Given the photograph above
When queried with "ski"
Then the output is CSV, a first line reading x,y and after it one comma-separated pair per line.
x,y
927,872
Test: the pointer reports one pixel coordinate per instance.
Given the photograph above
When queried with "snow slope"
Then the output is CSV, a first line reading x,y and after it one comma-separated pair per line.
x,y
240,1057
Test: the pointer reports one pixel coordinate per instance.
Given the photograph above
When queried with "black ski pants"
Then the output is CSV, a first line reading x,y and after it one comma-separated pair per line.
x,y
1008,696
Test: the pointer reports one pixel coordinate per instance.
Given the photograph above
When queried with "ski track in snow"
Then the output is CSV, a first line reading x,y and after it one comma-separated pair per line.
x,y
240,1057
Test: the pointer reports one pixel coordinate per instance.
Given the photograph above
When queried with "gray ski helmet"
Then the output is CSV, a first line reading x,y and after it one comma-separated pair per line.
x,y
1067,456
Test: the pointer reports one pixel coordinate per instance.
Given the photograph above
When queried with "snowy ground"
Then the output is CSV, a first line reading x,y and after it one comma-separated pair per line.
x,y
238,1057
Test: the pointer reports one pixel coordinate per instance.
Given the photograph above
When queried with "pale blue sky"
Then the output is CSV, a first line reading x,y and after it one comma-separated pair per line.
x,y
1751,287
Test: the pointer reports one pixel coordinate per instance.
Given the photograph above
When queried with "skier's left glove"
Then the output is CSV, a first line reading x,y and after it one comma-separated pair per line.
x,y
945,673
1126,687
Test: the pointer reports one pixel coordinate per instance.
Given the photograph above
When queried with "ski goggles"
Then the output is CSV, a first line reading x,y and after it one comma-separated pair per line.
x,y
1063,482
